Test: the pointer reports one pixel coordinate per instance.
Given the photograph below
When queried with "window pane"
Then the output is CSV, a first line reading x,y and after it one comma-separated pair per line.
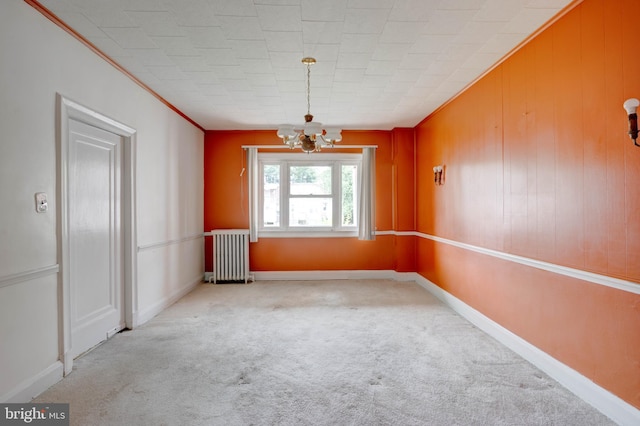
x,y
310,180
271,195
349,190
310,211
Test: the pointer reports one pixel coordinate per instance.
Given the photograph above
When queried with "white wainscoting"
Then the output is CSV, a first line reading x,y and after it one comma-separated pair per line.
x,y
39,326
167,271
20,277
151,311
34,386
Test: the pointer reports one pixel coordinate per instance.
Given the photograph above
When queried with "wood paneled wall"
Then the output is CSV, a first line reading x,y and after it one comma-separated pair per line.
x,y
538,164
226,205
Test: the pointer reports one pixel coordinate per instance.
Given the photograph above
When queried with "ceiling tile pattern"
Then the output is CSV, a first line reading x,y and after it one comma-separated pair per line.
x,y
235,64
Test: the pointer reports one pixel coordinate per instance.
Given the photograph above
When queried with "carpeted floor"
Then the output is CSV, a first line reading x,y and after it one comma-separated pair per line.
x,y
361,352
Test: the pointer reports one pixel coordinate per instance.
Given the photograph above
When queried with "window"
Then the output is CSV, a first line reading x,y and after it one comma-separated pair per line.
x,y
308,193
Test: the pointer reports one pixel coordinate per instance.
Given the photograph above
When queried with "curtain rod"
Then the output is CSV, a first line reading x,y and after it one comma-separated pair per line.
x,y
324,147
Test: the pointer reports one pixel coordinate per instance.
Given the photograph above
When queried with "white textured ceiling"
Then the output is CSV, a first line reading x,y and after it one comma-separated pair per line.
x,y
235,64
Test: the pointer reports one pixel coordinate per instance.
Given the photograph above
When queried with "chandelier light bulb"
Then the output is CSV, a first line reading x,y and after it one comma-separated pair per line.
x,y
332,135
286,131
313,128
631,105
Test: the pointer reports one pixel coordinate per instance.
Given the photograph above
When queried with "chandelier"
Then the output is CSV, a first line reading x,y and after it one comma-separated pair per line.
x,y
311,136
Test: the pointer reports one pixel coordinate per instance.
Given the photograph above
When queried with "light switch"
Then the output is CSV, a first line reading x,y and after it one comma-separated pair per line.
x,y
41,202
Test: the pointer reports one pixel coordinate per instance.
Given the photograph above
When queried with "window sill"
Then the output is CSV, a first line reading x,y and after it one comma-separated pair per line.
x,y
307,234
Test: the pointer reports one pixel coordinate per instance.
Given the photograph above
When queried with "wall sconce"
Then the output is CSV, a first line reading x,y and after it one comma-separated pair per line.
x,y
631,106
438,175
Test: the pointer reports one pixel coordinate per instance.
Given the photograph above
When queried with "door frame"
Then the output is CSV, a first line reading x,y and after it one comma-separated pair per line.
x,y
66,110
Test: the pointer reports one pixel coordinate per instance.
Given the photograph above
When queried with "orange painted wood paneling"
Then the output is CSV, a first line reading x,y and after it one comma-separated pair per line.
x,y
519,152
616,125
425,193
225,190
404,197
403,179
226,206
562,182
595,136
630,9
320,254
539,165
405,253
544,140
591,328
465,138
569,133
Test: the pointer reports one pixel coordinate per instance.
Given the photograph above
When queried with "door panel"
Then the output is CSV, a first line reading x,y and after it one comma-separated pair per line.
x,y
95,235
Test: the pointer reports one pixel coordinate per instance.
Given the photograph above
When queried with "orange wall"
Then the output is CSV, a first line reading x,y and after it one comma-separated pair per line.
x,y
226,205
538,164
403,198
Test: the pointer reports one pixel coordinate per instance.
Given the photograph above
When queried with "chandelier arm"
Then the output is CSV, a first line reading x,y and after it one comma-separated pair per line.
x,y
326,142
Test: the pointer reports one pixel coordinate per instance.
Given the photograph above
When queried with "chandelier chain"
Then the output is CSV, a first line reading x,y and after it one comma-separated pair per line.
x,y
308,88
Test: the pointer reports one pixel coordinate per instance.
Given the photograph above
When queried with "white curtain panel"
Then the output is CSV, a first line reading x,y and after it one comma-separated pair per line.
x,y
367,191
254,186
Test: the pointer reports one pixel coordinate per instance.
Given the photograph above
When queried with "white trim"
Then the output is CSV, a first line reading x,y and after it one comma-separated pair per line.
x,y
79,112
604,401
324,275
619,284
35,385
324,147
130,224
208,277
70,110
30,275
285,162
396,233
317,157
308,234
153,310
169,242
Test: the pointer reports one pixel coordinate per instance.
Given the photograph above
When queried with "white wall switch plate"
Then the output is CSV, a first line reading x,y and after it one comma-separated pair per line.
x,y
41,202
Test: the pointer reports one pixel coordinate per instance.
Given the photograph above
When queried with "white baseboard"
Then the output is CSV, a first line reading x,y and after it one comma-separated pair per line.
x,y
146,314
34,386
604,401
324,275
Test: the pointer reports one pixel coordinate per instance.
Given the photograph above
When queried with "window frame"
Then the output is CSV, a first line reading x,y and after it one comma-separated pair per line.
x,y
285,161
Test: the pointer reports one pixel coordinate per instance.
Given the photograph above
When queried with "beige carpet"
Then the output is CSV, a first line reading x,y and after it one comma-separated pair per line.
x,y
312,353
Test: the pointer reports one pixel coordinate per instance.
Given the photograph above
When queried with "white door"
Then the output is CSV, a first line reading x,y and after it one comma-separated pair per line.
x,y
96,279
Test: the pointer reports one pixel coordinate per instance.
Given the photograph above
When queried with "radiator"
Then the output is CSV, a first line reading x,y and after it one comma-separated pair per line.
x,y
230,255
